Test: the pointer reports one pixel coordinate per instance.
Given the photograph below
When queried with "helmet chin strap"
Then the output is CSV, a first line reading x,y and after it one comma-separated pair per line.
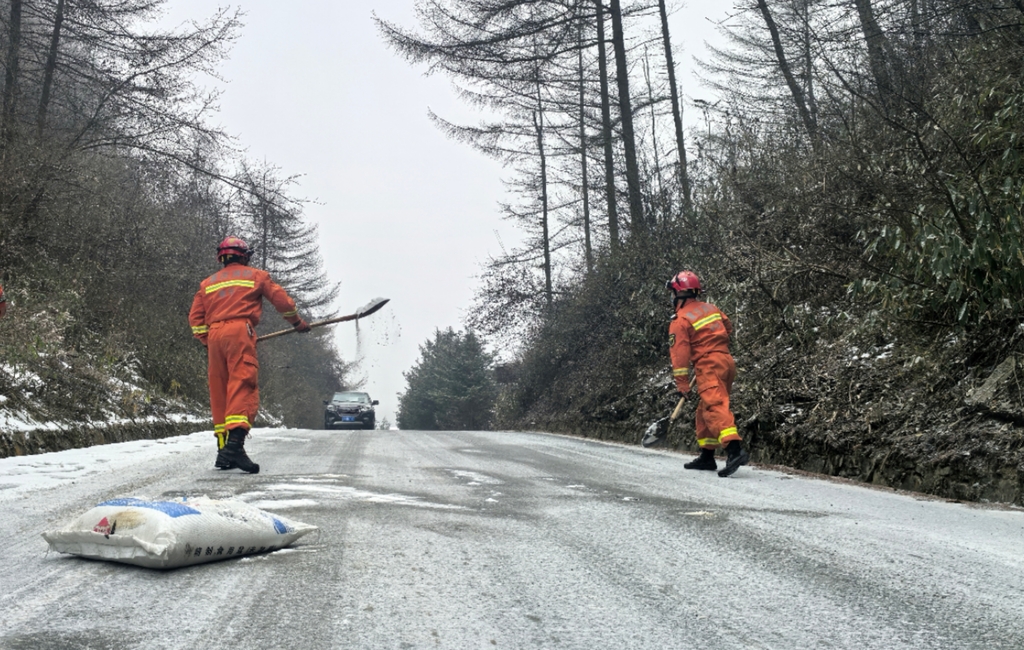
x,y
680,300
234,259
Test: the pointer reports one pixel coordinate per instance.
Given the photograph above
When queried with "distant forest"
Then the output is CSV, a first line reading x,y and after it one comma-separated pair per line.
x,y
114,192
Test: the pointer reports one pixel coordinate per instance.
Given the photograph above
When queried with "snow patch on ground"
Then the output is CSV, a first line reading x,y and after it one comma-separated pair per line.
x,y
21,421
21,474
283,504
475,478
345,492
326,478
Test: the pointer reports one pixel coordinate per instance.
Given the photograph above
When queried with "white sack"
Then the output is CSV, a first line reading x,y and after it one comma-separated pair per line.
x,y
169,534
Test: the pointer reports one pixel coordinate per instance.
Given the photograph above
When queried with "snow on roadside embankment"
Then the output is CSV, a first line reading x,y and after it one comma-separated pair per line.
x,y
40,414
21,474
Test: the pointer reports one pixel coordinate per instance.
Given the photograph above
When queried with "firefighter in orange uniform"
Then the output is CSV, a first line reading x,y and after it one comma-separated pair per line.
x,y
224,315
3,303
699,337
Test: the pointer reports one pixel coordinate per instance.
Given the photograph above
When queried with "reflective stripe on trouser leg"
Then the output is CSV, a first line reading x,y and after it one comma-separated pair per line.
x,y
728,435
705,439
222,436
236,421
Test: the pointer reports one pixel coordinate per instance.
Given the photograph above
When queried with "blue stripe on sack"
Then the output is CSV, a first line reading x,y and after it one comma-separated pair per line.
x,y
169,508
279,526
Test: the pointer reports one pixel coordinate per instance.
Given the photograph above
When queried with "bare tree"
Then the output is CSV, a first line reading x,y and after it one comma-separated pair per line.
x,y
677,114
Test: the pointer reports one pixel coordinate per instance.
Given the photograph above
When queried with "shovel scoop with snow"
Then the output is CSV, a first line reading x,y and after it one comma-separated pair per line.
x,y
658,431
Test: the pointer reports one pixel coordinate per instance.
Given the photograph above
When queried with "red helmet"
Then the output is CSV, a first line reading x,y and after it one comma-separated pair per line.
x,y
684,281
233,246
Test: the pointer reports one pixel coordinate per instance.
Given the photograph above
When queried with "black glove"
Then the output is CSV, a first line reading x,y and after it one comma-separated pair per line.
x,y
301,326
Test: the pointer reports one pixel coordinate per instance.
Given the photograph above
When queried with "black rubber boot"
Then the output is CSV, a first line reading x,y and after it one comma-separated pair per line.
x,y
737,457
222,462
234,452
706,460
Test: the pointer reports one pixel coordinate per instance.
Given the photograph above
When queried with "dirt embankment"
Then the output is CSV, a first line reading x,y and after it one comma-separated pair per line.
x,y
943,417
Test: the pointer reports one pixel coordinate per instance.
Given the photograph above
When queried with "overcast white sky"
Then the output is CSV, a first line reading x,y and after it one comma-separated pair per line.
x,y
403,212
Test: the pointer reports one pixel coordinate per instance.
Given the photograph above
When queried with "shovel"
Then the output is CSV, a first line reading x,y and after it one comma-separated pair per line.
x,y
656,433
362,312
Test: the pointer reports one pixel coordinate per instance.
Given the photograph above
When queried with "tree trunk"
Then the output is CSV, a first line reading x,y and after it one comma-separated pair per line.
x,y
606,131
787,73
677,114
11,78
877,45
585,181
48,70
660,202
812,104
636,212
538,123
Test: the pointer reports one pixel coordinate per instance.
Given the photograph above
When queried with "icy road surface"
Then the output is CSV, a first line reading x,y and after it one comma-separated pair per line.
x,y
506,540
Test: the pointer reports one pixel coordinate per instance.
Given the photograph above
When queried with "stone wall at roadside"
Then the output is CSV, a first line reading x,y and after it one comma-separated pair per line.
x,y
72,436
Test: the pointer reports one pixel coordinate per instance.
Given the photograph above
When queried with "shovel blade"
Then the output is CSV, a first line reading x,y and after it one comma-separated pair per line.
x,y
655,434
371,307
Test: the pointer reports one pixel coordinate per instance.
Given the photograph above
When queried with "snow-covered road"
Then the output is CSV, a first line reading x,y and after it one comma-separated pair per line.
x,y
509,540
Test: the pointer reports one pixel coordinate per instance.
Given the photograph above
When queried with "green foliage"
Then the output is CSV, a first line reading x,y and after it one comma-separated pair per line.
x,y
451,386
959,257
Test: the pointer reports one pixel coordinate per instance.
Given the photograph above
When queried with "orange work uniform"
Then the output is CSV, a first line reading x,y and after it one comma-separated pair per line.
x,y
699,336
224,315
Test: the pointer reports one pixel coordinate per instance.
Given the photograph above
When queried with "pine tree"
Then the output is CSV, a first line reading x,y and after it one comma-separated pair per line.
x,y
451,386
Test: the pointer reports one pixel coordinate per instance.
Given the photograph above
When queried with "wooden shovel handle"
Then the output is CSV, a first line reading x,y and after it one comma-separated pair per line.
x,y
679,408
330,321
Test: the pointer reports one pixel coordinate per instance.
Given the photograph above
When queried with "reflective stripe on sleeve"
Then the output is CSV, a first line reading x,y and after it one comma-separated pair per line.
x,y
290,314
680,372
200,329
250,284
707,320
